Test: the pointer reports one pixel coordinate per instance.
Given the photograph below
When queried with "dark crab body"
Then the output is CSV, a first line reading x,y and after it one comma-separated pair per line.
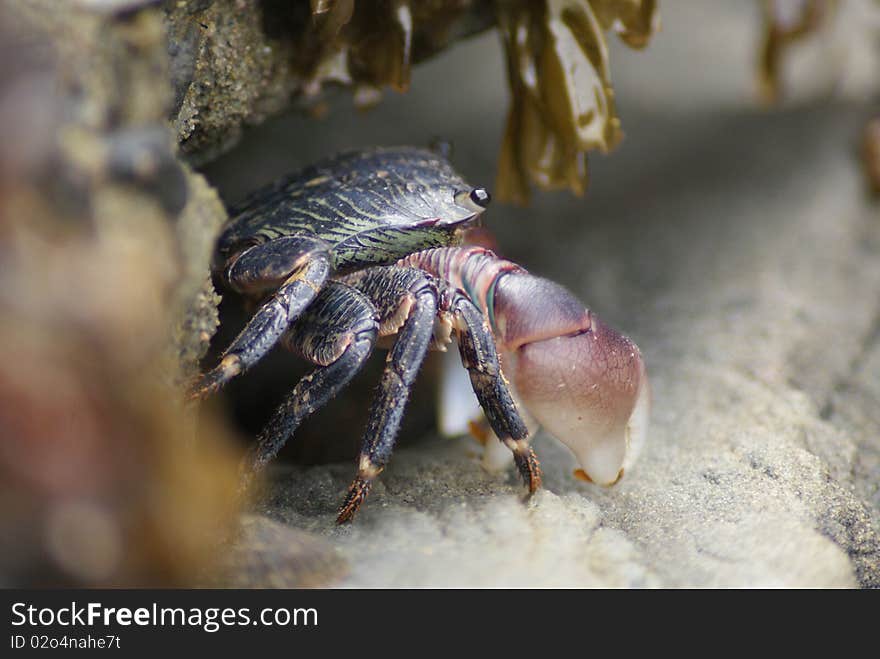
x,y
369,207
363,246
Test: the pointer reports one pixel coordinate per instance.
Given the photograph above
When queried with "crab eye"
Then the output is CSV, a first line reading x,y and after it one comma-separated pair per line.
x,y
481,197
476,199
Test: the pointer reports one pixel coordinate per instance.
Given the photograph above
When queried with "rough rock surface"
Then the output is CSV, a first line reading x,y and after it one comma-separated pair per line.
x,y
233,63
268,554
105,241
739,250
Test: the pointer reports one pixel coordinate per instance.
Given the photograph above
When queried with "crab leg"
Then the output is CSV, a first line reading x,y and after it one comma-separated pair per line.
x,y
407,304
301,265
337,332
480,357
582,380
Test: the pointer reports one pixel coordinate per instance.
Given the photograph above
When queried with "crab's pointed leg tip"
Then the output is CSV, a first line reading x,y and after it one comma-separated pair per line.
x,y
358,491
535,483
347,513
195,390
526,462
211,382
202,386
533,478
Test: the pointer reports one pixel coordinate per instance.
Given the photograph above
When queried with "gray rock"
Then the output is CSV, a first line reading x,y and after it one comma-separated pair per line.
x,y
267,554
234,64
106,239
438,519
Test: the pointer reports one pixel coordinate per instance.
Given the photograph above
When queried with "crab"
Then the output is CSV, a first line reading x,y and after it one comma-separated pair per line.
x,y
365,248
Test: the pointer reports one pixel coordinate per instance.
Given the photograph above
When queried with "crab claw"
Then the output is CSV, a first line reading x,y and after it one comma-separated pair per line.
x,y
582,380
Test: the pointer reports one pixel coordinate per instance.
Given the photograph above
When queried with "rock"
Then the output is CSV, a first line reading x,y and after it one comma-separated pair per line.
x,y
438,519
267,554
234,63
106,240
224,71
195,300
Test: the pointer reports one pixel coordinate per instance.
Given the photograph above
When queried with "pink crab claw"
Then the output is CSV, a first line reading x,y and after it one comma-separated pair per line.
x,y
584,382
